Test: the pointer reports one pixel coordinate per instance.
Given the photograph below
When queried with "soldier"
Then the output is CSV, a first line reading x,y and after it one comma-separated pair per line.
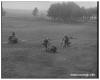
x,y
46,43
65,41
12,38
53,49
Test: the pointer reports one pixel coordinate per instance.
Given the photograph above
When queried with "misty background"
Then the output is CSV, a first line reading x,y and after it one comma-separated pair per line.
x,y
32,23
14,8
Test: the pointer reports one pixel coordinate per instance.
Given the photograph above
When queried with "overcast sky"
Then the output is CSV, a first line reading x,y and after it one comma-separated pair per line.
x,y
42,5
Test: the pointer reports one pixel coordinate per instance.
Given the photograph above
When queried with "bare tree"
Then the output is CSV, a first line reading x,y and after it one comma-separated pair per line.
x,y
35,11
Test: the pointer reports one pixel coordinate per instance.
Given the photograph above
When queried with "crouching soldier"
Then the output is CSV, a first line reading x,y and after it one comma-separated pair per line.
x,y
66,41
12,39
53,49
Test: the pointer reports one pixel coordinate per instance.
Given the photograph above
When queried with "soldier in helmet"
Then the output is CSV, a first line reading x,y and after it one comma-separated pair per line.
x,y
53,49
46,43
66,41
12,38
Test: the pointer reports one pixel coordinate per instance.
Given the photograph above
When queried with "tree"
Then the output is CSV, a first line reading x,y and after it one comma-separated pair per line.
x,y
64,11
35,12
92,11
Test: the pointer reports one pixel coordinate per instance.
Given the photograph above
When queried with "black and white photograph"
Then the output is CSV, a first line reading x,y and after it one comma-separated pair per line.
x,y
49,39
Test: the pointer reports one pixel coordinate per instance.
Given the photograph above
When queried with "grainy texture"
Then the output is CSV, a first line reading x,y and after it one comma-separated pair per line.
x,y
28,60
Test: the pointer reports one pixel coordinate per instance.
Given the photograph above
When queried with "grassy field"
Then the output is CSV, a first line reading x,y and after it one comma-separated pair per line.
x,y
29,60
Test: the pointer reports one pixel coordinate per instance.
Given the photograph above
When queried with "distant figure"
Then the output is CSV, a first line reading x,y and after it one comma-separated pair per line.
x,y
12,39
46,43
66,41
53,49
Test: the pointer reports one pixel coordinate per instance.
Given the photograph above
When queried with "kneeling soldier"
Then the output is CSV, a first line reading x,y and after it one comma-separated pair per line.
x,y
53,49
66,41
12,39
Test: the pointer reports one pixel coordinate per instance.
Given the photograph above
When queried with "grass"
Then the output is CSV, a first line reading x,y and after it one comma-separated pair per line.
x,y
29,60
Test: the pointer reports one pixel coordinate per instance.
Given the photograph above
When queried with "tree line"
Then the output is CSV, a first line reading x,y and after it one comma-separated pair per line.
x,y
70,11
65,11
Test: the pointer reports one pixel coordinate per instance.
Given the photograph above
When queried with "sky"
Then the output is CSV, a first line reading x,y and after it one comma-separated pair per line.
x,y
42,5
